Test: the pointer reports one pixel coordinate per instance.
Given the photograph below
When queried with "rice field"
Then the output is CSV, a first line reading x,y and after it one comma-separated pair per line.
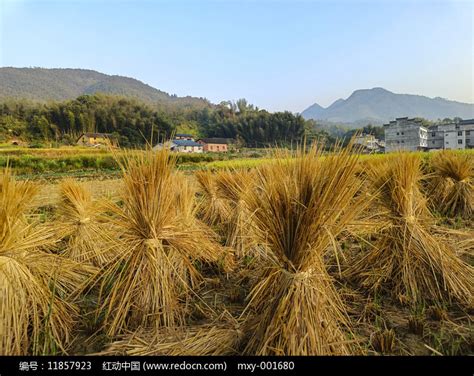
x,y
301,253
85,161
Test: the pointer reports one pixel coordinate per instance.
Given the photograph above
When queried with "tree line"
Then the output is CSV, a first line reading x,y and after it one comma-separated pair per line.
x,y
133,123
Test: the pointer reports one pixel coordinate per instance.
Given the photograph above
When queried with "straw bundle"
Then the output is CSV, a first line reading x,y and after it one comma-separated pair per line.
x,y
451,186
187,205
151,276
300,206
214,210
81,225
232,185
35,314
407,260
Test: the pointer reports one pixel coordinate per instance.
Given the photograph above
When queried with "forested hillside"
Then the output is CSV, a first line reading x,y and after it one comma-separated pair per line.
x,y
133,122
40,84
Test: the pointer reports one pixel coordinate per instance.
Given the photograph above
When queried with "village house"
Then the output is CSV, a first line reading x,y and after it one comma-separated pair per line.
x,y
215,145
405,134
184,136
96,139
181,146
369,143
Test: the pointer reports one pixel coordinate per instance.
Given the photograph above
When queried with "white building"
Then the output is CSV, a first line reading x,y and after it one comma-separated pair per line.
x,y
405,134
369,142
459,135
181,146
468,127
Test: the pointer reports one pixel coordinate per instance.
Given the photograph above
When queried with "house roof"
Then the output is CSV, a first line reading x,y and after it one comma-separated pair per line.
x,y
365,135
404,120
216,140
185,143
95,135
103,135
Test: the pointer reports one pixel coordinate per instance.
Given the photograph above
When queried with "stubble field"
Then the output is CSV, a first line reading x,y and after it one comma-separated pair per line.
x,y
303,253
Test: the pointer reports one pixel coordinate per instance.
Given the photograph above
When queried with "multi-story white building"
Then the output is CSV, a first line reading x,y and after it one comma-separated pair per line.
x,y
468,127
457,135
405,134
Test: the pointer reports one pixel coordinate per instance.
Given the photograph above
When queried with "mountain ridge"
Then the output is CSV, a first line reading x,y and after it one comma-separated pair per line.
x,y
45,84
379,105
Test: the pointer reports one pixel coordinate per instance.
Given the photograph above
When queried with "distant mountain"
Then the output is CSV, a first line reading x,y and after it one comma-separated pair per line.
x,y
314,111
41,84
378,106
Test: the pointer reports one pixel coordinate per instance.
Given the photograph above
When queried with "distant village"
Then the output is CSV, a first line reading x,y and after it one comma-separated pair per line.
x,y
409,134
183,143
403,133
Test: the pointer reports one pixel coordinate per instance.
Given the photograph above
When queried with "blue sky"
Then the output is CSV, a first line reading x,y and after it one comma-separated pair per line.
x,y
279,55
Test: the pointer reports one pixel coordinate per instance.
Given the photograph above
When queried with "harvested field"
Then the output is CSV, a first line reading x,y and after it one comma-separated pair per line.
x,y
305,253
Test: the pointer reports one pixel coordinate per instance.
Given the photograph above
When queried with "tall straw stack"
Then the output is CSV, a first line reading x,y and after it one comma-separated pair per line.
x,y
149,281
299,207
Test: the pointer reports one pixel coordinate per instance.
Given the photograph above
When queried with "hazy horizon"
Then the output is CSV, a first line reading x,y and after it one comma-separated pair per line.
x,y
279,55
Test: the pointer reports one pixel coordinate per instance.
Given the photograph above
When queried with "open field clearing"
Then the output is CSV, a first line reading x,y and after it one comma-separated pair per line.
x,y
300,253
89,163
